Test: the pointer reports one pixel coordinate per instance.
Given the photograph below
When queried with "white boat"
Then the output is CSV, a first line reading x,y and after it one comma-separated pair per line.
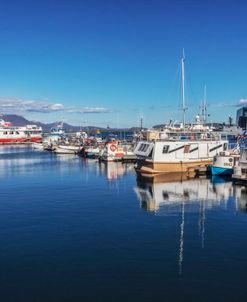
x,y
225,161
38,146
178,149
91,151
19,134
165,156
58,130
240,170
66,149
117,151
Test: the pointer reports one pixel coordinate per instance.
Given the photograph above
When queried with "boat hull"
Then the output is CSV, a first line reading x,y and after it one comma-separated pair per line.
x,y
221,171
20,140
149,167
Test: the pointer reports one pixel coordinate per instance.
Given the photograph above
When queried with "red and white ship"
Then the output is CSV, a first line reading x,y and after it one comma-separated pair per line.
x,y
19,134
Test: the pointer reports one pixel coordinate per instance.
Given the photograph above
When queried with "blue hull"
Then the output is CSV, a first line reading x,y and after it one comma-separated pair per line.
x,y
221,171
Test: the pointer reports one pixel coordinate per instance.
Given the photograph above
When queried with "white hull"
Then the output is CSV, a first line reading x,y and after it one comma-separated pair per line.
x,y
75,149
59,150
164,156
15,134
114,151
38,146
240,170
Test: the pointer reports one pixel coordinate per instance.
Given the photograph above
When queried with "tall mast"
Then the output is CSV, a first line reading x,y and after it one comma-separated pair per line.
x,y
205,105
183,88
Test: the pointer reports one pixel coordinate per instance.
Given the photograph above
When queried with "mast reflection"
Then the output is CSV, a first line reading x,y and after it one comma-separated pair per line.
x,y
180,194
165,194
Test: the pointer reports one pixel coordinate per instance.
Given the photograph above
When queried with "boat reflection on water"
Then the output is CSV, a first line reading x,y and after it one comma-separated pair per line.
x,y
115,170
241,197
17,160
180,194
165,193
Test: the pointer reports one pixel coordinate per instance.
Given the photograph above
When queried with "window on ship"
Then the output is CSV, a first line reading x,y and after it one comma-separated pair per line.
x,y
186,148
140,147
143,147
151,153
165,149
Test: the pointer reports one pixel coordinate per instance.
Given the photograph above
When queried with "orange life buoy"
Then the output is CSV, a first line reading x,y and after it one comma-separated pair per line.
x,y
113,148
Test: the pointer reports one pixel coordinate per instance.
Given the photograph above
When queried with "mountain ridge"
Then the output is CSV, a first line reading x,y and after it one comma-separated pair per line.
x,y
18,120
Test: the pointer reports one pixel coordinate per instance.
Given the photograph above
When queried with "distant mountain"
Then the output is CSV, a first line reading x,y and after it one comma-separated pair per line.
x,y
18,120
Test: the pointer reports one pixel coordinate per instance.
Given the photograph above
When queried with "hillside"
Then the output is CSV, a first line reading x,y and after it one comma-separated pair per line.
x,y
18,120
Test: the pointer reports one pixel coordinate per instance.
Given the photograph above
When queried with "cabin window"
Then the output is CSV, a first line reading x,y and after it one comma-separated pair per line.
x,y
151,153
11,132
187,149
5,133
140,148
165,149
225,147
17,132
143,147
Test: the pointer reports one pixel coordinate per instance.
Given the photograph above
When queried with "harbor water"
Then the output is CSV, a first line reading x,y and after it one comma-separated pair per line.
x,y
75,230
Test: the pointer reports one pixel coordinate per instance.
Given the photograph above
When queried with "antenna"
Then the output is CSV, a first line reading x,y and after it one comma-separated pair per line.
x,y
184,108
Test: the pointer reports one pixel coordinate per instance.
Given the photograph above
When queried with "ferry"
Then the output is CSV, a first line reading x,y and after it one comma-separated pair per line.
x,y
19,134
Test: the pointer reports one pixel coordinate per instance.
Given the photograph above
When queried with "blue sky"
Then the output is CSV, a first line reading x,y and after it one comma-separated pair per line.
x,y
110,62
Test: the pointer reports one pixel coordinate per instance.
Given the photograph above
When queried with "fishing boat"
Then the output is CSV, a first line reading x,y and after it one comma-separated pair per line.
x,y
164,156
91,151
19,134
38,146
179,149
117,151
225,161
240,170
57,131
66,149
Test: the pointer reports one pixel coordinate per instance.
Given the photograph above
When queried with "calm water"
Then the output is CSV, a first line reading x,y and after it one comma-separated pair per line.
x,y
74,230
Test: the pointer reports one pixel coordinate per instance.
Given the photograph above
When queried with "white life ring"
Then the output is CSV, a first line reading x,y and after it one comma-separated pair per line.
x,y
113,148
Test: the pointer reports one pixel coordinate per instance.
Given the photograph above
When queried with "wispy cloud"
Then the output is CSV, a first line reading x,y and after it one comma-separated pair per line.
x,y
240,103
45,108
92,110
20,105
15,105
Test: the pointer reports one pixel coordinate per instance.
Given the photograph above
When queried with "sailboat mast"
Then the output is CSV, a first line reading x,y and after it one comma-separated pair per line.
x,y
205,105
183,88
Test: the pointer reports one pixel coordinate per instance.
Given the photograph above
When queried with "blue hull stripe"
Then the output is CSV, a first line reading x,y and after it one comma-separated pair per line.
x,y
221,171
